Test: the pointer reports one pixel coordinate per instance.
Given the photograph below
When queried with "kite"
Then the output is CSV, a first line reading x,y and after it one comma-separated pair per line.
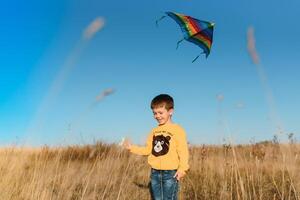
x,y
194,30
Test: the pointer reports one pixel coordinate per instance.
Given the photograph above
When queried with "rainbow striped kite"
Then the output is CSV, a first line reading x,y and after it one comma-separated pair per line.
x,y
194,30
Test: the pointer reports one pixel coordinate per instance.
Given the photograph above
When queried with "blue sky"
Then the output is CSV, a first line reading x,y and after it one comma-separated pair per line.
x,y
137,59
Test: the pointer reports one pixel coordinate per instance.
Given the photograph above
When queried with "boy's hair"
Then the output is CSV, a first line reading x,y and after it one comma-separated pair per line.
x,y
162,100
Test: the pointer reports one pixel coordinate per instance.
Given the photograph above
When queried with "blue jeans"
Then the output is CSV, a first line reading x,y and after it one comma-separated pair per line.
x,y
163,184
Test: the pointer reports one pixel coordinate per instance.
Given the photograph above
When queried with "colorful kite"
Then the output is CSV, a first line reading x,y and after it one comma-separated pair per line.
x,y
194,30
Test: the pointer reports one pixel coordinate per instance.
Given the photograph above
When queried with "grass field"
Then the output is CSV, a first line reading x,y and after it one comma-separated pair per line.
x,y
263,171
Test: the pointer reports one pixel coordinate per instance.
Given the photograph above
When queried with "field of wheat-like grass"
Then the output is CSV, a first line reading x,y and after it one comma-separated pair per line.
x,y
264,171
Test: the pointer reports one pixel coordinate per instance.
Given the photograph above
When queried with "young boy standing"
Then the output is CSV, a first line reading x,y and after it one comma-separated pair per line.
x,y
167,150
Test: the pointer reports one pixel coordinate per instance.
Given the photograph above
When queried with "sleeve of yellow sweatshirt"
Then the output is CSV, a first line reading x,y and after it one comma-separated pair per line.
x,y
143,150
183,152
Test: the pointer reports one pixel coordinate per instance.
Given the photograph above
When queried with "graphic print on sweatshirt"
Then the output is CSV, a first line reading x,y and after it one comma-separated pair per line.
x,y
160,145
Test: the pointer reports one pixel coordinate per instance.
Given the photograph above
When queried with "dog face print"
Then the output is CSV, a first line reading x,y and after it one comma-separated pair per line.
x,y
160,145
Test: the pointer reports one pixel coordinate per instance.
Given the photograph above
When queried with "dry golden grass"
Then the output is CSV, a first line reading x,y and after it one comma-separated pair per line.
x,y
102,171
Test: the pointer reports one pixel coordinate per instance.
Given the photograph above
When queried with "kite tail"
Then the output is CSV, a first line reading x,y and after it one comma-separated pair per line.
x,y
156,22
179,43
206,55
195,58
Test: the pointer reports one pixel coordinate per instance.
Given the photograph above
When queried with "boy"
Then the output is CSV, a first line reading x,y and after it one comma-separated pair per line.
x,y
166,149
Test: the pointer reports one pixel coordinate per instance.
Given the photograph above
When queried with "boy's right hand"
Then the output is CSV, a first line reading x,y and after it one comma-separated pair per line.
x,y
126,144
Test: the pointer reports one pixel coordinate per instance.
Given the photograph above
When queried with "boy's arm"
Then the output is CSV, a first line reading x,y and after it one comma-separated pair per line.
x,y
183,153
142,150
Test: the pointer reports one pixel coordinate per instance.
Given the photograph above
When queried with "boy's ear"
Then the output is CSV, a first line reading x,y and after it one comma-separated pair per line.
x,y
171,111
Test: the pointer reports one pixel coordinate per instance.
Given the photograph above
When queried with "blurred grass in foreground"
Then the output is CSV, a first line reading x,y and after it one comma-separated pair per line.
x,y
263,171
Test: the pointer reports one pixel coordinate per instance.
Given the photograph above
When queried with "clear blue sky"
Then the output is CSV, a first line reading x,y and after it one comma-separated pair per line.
x,y
139,60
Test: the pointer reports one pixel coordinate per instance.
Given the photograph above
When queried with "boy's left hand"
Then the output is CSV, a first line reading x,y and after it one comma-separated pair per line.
x,y
179,175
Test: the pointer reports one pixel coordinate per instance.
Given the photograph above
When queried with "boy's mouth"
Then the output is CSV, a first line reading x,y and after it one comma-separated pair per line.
x,y
160,121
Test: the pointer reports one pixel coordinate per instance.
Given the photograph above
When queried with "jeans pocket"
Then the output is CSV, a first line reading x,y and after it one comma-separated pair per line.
x,y
169,174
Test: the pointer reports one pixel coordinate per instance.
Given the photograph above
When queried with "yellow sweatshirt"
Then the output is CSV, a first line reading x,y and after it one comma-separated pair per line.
x,y
166,148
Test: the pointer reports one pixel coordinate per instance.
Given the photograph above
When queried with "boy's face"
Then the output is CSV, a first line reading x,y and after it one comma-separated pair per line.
x,y
162,115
